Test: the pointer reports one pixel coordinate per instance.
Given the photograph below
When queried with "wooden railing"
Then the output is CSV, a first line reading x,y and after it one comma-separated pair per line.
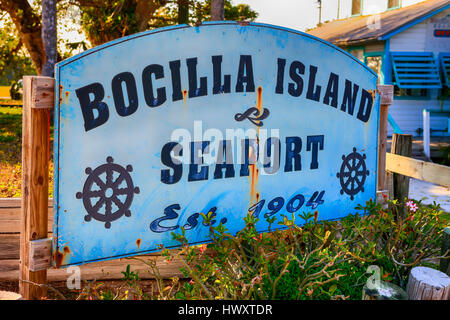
x,y
422,170
10,209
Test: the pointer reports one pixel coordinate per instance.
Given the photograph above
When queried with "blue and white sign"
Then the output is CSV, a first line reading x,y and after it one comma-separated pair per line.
x,y
153,129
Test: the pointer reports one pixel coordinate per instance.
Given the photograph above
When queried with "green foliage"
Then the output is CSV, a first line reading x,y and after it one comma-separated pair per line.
x,y
10,153
320,260
445,155
14,61
115,19
10,134
201,11
129,275
112,20
107,295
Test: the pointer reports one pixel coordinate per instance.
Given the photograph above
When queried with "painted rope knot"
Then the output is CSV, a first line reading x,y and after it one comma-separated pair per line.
x,y
253,115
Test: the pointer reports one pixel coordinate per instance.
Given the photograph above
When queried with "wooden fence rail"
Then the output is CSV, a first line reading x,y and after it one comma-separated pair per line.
x,y
10,253
422,170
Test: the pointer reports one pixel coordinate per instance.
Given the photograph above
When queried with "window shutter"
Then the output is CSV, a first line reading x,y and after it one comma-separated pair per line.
x,y
444,58
416,70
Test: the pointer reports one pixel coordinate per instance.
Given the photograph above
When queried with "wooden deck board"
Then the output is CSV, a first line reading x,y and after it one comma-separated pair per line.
x,y
105,270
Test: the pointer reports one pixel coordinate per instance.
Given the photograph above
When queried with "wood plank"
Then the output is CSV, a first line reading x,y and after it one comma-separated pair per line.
x,y
401,145
14,213
16,202
13,226
105,270
382,146
42,92
9,246
10,215
40,254
37,102
386,98
386,92
426,171
10,243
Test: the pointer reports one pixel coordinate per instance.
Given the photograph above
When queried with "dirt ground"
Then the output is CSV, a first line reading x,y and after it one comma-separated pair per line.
x,y
149,287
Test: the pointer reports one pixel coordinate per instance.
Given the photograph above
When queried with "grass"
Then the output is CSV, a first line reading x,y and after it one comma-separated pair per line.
x,y
11,153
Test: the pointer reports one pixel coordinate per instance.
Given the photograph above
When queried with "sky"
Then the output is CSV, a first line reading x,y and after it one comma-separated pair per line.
x,y
304,14
295,14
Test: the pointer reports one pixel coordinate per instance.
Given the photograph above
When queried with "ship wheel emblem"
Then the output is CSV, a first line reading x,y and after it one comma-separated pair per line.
x,y
353,173
108,192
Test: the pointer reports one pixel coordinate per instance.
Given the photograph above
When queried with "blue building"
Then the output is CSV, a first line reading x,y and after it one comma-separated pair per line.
x,y
407,43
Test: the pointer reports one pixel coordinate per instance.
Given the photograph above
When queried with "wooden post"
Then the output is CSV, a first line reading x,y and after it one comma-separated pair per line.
x,y
426,133
386,98
428,284
401,145
38,99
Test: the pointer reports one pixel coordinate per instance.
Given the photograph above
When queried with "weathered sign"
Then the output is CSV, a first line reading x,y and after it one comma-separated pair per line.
x,y
153,129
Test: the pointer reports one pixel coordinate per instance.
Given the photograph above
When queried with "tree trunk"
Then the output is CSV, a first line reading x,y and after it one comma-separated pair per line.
x,y
28,25
49,37
217,10
428,284
183,11
145,10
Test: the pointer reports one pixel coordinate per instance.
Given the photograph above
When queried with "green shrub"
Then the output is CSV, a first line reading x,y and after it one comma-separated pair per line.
x,y
318,260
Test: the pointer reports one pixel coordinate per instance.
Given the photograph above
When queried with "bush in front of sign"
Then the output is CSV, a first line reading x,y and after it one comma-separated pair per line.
x,y
397,245
242,266
319,260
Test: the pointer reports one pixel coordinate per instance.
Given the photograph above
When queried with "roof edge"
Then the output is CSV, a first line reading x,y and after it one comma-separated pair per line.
x,y
412,23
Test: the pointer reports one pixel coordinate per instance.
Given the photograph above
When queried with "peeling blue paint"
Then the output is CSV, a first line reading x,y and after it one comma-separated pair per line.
x,y
132,143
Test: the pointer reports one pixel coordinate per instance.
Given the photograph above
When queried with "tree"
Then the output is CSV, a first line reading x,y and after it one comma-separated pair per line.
x,y
217,10
28,25
103,21
203,9
49,36
183,11
14,60
106,21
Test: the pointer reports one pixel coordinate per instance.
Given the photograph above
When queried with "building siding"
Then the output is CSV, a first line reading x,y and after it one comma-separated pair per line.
x,y
408,115
368,6
420,37
412,39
